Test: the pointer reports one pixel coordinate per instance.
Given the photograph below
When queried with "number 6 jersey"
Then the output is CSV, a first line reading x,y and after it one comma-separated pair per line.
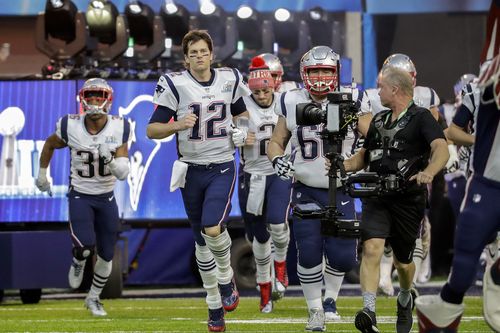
x,y
88,173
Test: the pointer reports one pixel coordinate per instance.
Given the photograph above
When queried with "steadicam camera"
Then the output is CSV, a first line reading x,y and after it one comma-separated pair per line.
x,y
340,114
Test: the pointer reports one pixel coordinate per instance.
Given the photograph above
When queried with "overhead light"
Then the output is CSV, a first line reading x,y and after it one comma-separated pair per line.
x,y
244,12
282,14
207,7
176,21
171,8
140,23
134,8
101,19
316,13
56,4
97,4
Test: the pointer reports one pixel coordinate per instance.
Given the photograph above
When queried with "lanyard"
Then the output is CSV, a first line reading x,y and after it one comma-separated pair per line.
x,y
400,115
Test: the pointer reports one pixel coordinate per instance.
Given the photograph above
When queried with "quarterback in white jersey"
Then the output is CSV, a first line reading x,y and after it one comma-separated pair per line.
x,y
99,155
205,105
264,197
319,68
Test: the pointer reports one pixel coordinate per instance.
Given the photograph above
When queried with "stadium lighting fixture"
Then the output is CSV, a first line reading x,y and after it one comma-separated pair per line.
x,y
244,12
282,15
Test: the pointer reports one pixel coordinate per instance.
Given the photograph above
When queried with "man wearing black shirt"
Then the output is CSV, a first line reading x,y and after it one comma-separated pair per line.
x,y
405,134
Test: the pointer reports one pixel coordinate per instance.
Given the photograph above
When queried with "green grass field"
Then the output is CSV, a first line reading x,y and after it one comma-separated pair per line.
x,y
190,315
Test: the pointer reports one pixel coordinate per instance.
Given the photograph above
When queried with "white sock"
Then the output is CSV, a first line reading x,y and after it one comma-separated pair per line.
x,y
333,281
262,254
311,280
386,267
220,246
208,269
280,234
102,270
418,256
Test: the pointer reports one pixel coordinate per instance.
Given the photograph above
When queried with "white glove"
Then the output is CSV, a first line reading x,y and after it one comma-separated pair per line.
x,y
453,164
42,182
283,167
105,153
238,135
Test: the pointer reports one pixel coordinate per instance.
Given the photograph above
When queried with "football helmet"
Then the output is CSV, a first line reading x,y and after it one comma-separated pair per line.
x,y
93,90
274,64
401,61
462,82
319,57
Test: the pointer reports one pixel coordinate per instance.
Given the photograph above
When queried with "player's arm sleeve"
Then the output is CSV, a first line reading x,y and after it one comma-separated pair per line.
x,y
462,117
435,101
166,94
62,129
240,88
280,105
126,130
161,114
238,107
362,102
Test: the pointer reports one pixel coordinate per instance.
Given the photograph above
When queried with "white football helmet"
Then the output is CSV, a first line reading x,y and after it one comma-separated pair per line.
x,y
319,57
401,61
99,90
274,64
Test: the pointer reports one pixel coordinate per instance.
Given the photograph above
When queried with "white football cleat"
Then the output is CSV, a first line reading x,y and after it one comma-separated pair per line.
x,y
95,306
433,313
75,275
491,301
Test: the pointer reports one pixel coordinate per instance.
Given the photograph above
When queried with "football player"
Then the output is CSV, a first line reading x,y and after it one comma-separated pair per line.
x,y
264,197
99,156
319,69
205,105
276,68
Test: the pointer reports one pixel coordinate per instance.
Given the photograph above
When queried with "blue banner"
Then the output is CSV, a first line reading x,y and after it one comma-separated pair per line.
x,y
144,195
425,6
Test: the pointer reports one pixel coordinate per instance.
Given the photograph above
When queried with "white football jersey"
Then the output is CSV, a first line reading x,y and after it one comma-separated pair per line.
x,y
288,85
262,122
422,96
309,159
88,173
209,141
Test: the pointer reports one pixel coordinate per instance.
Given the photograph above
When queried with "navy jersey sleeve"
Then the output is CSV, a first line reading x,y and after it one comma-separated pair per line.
x,y
238,107
462,117
162,114
429,127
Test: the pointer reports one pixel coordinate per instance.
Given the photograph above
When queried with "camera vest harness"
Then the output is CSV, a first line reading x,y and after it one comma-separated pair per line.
x,y
386,150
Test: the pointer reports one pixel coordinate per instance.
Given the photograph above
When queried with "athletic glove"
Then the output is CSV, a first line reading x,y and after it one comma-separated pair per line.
x,y
42,182
452,165
105,153
238,135
283,167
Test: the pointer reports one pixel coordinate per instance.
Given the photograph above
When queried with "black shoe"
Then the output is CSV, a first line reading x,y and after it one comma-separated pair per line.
x,y
404,322
366,322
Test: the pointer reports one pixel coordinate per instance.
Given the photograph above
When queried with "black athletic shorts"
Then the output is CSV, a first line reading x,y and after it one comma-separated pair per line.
x,y
396,219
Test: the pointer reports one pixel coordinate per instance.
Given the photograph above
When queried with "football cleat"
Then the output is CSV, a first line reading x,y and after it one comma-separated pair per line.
x,y
491,300
436,315
404,322
316,321
281,276
266,303
216,321
330,307
230,296
95,306
366,321
75,275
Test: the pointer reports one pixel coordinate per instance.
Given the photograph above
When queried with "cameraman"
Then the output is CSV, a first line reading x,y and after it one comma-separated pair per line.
x,y
319,72
404,134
